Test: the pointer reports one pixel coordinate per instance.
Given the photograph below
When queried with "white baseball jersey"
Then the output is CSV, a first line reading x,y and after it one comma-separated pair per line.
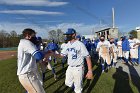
x,y
119,43
26,61
103,45
63,46
132,42
114,47
76,52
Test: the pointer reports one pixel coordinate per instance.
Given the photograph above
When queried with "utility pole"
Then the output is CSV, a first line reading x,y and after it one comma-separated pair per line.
x,y
113,18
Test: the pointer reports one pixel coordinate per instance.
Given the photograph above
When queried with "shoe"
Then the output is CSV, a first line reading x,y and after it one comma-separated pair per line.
x,y
136,64
55,77
43,76
103,71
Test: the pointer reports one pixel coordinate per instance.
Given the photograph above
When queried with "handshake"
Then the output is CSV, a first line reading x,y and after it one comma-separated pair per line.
x,y
49,53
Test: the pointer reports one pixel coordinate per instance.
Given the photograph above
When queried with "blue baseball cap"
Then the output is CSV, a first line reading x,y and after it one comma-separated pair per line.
x,y
70,31
83,37
78,36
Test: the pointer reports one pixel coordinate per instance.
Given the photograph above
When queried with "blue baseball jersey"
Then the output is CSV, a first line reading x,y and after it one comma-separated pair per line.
x,y
52,46
125,45
87,44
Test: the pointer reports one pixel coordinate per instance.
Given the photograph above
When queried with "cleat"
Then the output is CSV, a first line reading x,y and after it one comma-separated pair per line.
x,y
103,71
55,77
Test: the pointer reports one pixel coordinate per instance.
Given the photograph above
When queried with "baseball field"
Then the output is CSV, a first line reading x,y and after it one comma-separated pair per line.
x,y
113,81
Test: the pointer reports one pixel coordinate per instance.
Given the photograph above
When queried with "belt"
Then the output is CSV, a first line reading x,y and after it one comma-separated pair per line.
x,y
132,48
76,66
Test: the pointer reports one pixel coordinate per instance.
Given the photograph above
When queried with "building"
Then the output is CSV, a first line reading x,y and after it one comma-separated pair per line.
x,y
91,37
108,32
138,32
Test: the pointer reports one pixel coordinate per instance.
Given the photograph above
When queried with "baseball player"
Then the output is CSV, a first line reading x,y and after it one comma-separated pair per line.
x,y
96,41
78,37
52,46
89,45
64,59
125,49
27,67
76,52
119,46
104,49
114,52
138,51
133,50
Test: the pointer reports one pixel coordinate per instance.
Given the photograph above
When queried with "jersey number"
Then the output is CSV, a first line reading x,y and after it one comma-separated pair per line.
x,y
74,56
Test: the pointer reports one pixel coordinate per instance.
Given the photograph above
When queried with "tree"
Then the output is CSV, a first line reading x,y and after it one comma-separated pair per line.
x,y
4,38
134,33
14,38
52,34
9,39
56,35
60,35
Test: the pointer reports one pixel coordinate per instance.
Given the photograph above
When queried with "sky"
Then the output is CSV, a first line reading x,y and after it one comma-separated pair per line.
x,y
85,16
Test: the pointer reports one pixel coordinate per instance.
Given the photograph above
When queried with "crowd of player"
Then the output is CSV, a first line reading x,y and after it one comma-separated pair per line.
x,y
77,51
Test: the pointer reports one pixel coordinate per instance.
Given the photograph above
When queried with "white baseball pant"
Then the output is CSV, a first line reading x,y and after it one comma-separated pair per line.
x,y
134,53
74,75
31,83
126,54
114,57
120,54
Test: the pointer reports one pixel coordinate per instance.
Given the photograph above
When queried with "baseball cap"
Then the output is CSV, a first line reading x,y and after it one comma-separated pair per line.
x,y
83,37
78,36
70,31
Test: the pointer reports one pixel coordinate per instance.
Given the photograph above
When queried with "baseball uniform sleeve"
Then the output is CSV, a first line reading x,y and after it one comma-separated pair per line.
x,y
64,51
98,45
137,41
30,48
108,43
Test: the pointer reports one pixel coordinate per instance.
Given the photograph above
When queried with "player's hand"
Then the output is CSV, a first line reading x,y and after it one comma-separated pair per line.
x,y
48,54
134,45
89,75
44,63
113,55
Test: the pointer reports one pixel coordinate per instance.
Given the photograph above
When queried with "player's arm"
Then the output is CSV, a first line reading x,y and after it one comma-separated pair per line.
x,y
98,47
136,44
61,55
42,55
58,55
85,54
118,45
89,74
111,49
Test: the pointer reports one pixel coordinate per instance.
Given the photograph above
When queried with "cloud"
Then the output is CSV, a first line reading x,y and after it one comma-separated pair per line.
x,y
56,21
81,28
33,3
18,27
30,12
42,30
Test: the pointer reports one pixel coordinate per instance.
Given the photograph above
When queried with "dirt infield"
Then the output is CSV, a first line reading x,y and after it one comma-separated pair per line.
x,y
7,54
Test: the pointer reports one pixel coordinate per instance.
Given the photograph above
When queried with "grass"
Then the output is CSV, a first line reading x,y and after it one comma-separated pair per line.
x,y
114,81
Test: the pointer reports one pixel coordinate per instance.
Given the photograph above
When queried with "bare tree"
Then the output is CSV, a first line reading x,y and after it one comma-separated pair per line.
x,y
56,35
9,39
